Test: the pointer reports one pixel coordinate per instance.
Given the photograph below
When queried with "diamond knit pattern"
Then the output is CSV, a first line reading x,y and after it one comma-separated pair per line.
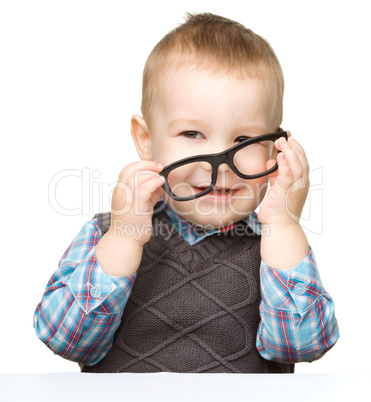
x,y
193,308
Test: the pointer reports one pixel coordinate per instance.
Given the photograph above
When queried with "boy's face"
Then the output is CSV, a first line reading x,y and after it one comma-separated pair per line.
x,y
202,113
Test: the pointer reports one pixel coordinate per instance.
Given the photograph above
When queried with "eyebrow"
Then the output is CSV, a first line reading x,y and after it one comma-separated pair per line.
x,y
252,130
179,122
196,122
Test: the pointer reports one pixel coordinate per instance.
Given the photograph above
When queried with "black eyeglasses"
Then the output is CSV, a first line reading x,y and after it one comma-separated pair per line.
x,y
194,177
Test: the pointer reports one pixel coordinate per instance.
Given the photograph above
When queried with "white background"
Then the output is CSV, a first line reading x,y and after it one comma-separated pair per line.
x,y
70,79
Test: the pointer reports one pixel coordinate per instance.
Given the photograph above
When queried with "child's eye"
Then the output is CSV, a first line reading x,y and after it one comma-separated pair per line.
x,y
192,134
241,138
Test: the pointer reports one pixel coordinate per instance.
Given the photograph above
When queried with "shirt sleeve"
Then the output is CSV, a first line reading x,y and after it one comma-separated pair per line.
x,y
82,306
298,322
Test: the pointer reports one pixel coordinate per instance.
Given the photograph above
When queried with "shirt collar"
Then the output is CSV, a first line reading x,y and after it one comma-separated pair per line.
x,y
189,232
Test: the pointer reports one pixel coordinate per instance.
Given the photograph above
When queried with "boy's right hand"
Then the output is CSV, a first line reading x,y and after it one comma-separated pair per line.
x,y
137,191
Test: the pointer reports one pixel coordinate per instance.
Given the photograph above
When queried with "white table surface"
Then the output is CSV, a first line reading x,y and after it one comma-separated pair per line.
x,y
184,387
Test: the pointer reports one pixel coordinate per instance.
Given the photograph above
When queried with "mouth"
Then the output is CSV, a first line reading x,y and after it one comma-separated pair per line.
x,y
217,192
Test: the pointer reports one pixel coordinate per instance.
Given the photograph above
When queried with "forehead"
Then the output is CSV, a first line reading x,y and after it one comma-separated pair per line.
x,y
190,92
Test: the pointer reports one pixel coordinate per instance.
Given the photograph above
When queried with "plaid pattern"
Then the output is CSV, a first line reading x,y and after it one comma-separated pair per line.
x,y
71,320
82,306
297,315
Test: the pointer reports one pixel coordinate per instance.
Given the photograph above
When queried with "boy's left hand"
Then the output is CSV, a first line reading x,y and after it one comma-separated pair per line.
x,y
285,200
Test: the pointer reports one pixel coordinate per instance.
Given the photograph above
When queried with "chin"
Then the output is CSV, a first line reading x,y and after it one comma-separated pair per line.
x,y
209,215
212,221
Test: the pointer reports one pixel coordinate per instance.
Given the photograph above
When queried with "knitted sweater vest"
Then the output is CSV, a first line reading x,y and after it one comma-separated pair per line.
x,y
193,309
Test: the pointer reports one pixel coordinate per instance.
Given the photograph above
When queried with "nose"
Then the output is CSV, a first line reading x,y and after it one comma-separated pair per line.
x,y
223,168
206,166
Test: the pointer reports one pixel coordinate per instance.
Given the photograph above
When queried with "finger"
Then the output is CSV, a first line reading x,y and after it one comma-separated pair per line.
x,y
279,144
301,154
152,184
122,199
293,160
145,165
273,175
130,169
145,193
125,193
141,176
284,177
156,195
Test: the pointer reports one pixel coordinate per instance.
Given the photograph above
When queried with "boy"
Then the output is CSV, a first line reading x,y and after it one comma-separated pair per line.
x,y
207,284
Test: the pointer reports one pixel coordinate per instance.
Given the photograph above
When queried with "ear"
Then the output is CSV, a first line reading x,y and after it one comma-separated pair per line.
x,y
141,136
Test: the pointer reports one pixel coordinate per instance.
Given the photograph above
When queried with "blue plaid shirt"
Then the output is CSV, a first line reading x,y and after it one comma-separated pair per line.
x,y
82,306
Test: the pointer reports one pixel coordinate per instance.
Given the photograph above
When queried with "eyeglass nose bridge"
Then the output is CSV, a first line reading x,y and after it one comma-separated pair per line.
x,y
217,160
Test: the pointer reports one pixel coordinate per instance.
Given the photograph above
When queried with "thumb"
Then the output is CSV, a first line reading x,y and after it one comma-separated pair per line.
x,y
272,176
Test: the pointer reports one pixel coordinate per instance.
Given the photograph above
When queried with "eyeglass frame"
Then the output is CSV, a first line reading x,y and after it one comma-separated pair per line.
x,y
217,159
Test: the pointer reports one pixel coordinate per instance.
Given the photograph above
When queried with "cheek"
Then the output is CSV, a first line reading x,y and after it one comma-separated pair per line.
x,y
165,155
254,191
158,156
255,186
179,181
161,151
261,186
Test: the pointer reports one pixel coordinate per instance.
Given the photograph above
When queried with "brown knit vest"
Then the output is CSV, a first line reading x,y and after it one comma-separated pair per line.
x,y
193,309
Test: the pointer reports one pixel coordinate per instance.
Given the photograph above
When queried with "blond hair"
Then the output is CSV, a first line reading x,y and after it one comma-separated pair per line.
x,y
218,44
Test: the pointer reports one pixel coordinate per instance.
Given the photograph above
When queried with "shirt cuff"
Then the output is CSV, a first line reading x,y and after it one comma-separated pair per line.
x,y
94,289
294,289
